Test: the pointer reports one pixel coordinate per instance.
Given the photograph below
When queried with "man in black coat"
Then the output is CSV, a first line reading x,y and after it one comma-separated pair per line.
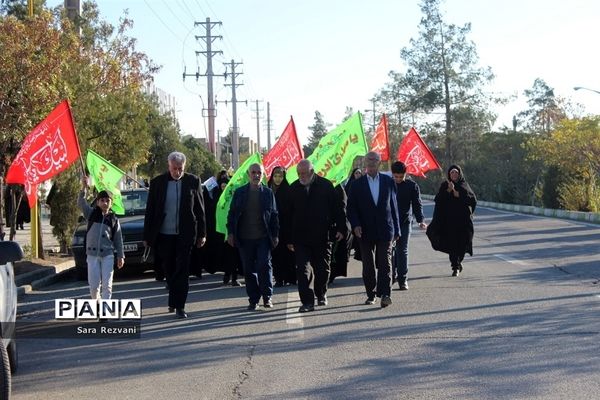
x,y
174,223
408,196
316,213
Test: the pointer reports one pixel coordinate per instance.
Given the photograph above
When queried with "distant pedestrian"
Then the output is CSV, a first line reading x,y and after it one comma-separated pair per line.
x,y
340,253
23,213
174,223
317,219
103,240
253,227
230,259
451,229
373,214
284,266
408,197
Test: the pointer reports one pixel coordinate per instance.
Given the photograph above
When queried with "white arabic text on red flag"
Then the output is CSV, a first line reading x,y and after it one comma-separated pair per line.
x,y
416,155
380,143
285,152
46,151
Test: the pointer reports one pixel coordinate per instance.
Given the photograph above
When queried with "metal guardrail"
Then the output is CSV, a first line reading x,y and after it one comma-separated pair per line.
x,y
546,212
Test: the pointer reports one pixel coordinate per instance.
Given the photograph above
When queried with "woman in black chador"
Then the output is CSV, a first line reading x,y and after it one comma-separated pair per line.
x,y
353,242
284,267
451,228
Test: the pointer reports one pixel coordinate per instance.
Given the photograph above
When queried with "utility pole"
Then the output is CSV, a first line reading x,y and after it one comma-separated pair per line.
x,y
268,126
258,124
374,116
209,53
235,139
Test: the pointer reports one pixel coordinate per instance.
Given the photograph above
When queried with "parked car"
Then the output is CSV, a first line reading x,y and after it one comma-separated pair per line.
x,y
9,253
132,228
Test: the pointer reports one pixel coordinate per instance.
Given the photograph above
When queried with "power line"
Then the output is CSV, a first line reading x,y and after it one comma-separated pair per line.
x,y
189,11
163,22
175,15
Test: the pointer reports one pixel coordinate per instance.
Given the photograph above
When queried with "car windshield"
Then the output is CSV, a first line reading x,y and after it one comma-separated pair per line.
x,y
135,202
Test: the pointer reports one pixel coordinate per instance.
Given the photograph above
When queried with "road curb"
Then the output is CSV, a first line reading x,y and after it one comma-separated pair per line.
x,y
590,217
39,279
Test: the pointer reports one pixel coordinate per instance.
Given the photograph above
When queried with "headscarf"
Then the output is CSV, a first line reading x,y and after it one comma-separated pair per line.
x,y
351,178
461,178
277,169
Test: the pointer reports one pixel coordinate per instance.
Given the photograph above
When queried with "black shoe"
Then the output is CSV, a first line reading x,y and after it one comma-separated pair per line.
x,y
180,313
226,279
171,309
371,301
403,284
252,307
455,272
306,308
322,301
159,278
386,301
268,303
278,283
235,283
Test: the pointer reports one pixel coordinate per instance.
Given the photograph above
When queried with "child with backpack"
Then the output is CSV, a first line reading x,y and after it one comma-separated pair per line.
x,y
103,240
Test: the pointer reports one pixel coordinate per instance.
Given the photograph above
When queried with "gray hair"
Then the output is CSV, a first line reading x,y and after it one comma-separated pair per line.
x,y
177,157
306,163
256,165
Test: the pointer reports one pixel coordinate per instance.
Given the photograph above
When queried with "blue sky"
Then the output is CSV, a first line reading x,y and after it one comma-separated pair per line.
x,y
324,55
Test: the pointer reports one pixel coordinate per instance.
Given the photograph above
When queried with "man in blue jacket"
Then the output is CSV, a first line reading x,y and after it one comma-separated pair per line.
x,y
373,214
253,227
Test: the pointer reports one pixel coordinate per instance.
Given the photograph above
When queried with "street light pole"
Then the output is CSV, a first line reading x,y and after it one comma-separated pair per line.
x,y
584,88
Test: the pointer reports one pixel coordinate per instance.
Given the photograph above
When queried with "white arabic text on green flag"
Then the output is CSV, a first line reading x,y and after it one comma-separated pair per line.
x,y
106,177
333,157
238,179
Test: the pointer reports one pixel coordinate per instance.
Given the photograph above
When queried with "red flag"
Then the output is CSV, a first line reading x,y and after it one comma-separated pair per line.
x,y
416,155
380,143
47,150
285,152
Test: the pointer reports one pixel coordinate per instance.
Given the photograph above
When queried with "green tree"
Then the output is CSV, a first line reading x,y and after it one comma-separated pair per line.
x,y
443,77
200,161
164,139
318,129
500,170
580,139
545,109
99,71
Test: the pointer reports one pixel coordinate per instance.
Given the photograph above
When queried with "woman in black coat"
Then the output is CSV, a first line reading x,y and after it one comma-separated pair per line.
x,y
340,253
284,268
353,242
451,228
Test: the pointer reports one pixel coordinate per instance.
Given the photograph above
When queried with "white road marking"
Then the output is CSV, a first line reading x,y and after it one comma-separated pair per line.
x,y
292,316
510,259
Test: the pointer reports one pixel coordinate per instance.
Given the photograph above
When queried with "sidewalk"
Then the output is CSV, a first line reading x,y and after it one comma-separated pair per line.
x,y
34,274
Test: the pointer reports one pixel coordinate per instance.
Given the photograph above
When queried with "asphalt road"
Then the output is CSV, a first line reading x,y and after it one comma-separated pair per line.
x,y
521,322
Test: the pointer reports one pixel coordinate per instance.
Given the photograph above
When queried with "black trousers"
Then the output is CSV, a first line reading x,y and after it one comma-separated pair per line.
x,y
175,257
377,256
312,267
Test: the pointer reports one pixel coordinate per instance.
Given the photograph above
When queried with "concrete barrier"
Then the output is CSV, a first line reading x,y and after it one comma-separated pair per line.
x,y
547,212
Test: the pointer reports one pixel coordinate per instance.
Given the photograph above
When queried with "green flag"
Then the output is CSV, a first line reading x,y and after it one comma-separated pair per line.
x,y
106,177
333,157
238,179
